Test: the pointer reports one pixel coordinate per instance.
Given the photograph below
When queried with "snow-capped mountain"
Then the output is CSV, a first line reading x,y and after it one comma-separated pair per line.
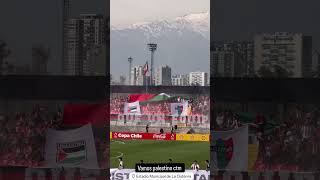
x,y
182,41
197,22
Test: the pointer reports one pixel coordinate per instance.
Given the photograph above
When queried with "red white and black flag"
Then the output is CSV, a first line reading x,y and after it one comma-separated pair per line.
x,y
145,68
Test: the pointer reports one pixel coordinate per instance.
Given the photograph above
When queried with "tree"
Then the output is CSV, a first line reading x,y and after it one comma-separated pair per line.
x,y
40,57
4,53
278,72
122,80
265,71
281,72
316,73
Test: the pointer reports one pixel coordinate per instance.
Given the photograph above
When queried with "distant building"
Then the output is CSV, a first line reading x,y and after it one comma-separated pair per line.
x,y
291,51
39,67
83,36
40,57
232,59
99,61
180,80
198,78
137,77
163,76
11,69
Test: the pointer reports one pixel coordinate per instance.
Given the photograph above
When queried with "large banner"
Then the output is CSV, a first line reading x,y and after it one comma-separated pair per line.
x,y
71,148
143,136
230,149
82,114
132,108
180,109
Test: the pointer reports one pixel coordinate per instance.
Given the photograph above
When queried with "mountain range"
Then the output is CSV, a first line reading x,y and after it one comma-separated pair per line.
x,y
183,44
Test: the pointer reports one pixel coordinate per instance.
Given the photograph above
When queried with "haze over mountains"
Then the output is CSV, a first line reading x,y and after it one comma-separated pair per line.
x,y
183,44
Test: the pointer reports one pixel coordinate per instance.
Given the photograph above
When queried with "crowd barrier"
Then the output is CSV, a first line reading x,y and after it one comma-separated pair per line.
x,y
156,136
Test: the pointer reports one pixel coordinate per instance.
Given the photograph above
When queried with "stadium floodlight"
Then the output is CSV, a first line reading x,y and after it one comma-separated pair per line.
x,y
130,67
152,48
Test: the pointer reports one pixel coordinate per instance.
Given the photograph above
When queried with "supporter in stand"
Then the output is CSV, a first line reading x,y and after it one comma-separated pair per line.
x,y
294,144
23,143
199,104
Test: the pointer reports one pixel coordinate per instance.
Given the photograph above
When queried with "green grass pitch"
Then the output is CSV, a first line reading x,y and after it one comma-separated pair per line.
x,y
132,151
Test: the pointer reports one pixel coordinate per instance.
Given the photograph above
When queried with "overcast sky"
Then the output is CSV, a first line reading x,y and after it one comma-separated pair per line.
x,y
24,23
240,20
125,12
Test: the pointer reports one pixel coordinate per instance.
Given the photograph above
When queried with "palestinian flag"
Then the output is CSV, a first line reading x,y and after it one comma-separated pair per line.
x,y
71,153
139,97
132,109
247,118
82,114
159,97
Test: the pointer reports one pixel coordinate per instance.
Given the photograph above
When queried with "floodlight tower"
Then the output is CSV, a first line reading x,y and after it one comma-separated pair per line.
x,y
152,48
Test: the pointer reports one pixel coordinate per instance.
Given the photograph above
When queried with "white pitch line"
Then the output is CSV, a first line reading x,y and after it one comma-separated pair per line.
x,y
121,155
120,142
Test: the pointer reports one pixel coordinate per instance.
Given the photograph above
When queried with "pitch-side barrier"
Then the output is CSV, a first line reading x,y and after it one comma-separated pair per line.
x,y
155,136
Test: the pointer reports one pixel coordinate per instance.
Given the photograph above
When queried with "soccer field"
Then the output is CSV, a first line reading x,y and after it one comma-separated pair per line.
x,y
132,151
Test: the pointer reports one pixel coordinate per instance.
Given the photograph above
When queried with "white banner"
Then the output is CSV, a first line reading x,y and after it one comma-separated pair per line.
x,y
55,173
71,148
180,109
132,108
124,174
230,149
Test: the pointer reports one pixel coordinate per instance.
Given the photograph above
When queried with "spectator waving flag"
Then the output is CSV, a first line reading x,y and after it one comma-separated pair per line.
x,y
71,148
179,109
145,68
132,108
230,149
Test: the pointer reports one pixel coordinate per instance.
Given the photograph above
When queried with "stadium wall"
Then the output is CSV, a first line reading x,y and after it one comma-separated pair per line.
x,y
157,129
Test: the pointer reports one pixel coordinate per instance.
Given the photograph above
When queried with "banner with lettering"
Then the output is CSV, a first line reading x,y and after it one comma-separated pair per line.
x,y
143,136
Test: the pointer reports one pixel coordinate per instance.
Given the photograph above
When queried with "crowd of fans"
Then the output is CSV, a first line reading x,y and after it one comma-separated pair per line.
x,y
199,105
292,144
22,138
